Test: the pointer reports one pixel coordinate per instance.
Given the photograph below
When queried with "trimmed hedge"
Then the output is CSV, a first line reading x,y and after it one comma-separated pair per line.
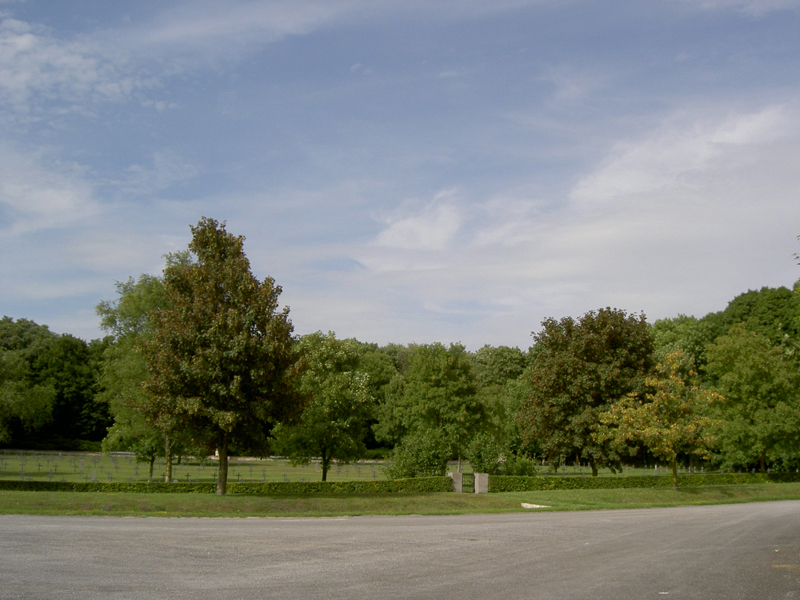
x,y
505,483
279,488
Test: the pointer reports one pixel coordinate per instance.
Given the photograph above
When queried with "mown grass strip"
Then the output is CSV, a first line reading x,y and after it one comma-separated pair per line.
x,y
206,505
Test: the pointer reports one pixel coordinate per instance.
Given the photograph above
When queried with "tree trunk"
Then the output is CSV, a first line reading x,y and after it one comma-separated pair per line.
x,y
593,464
674,465
152,466
762,462
326,464
168,459
222,480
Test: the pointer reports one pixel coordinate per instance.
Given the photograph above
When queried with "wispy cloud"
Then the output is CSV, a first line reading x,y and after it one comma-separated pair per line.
x,y
36,196
431,228
37,67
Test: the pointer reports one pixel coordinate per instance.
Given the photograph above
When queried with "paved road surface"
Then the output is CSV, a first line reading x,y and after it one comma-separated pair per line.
x,y
745,551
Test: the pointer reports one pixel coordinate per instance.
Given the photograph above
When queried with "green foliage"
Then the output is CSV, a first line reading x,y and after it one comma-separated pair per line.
x,y
760,417
292,488
773,313
221,352
423,454
501,483
497,365
487,455
578,369
124,370
21,402
669,419
337,404
436,393
687,335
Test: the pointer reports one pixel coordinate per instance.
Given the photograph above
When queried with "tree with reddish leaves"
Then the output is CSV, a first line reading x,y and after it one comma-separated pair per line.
x,y
221,355
579,368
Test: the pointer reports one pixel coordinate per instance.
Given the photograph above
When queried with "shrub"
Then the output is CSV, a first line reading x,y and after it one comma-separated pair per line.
x,y
422,455
291,488
501,483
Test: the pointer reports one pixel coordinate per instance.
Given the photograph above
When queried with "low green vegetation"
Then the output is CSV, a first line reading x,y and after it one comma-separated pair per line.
x,y
116,468
234,505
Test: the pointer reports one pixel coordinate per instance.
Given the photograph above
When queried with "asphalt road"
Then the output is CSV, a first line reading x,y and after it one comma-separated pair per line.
x,y
744,551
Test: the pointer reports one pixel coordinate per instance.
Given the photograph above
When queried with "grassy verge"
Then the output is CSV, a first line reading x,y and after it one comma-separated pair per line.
x,y
201,505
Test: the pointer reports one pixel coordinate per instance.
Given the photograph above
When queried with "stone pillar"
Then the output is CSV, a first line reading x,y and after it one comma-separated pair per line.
x,y
457,482
481,483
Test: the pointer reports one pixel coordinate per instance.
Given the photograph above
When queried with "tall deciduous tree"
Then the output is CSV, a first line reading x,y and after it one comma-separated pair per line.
x,y
337,403
670,418
221,353
578,368
24,402
760,417
127,321
435,399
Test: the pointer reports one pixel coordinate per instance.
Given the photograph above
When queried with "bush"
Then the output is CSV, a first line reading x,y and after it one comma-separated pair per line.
x,y
501,483
487,455
290,488
421,455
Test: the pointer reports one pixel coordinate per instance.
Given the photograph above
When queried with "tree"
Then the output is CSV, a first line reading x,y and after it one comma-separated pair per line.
x,y
684,334
336,403
221,354
760,417
21,402
579,368
670,418
127,321
437,393
770,312
72,367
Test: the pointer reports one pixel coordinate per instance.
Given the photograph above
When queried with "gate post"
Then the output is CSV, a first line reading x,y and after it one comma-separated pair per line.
x,y
457,482
481,483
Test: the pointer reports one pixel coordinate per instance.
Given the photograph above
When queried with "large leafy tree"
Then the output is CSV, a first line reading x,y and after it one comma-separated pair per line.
x,y
578,369
337,404
48,386
435,400
760,417
127,321
671,418
24,403
221,353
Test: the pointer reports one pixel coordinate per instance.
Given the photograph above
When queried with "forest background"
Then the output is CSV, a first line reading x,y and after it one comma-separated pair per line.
x,y
720,391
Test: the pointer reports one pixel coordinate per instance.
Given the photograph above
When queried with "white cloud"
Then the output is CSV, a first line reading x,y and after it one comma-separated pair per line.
x,y
34,196
35,65
677,156
432,228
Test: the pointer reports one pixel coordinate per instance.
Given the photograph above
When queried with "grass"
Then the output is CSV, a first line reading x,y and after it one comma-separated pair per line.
x,y
200,505
83,466
122,467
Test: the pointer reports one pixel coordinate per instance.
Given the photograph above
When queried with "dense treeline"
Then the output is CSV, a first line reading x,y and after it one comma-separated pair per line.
x,y
204,359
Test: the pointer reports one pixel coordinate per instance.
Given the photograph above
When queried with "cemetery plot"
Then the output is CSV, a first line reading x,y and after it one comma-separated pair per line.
x,y
123,467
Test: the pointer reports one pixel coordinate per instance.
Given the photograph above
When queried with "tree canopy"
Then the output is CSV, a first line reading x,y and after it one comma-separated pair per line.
x,y
221,353
337,403
578,368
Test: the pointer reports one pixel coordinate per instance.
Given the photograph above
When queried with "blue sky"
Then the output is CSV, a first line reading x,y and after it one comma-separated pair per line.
x,y
407,170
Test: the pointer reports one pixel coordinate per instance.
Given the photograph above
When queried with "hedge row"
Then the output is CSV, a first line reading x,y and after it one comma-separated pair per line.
x,y
290,488
505,483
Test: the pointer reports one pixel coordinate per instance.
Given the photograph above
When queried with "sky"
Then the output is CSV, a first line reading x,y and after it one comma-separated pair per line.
x,y
407,170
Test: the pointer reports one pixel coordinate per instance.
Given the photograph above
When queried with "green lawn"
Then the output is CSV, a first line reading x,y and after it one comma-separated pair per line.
x,y
196,505
82,466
